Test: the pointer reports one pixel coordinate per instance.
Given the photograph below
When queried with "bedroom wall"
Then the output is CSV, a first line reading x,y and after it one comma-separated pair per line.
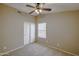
x,y
62,30
0,28
12,24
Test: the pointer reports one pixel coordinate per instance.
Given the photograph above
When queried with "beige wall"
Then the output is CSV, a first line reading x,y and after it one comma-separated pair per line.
x,y
0,27
12,27
62,30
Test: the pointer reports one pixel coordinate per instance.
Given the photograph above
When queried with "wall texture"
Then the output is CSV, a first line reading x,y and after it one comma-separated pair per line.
x,y
62,30
12,24
1,28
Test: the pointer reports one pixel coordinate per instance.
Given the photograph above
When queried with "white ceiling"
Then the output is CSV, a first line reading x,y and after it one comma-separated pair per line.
x,y
56,7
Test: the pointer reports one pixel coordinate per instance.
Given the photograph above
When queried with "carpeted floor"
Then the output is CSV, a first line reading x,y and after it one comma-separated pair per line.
x,y
36,49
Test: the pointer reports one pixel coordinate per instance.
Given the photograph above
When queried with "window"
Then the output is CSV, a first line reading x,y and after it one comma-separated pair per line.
x,y
26,33
32,32
29,32
42,30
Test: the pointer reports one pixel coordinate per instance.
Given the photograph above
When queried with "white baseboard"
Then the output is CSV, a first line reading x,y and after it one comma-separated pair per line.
x,y
5,53
59,49
64,51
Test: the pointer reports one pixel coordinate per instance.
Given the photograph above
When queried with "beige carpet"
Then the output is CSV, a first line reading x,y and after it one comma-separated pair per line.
x,y
36,49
